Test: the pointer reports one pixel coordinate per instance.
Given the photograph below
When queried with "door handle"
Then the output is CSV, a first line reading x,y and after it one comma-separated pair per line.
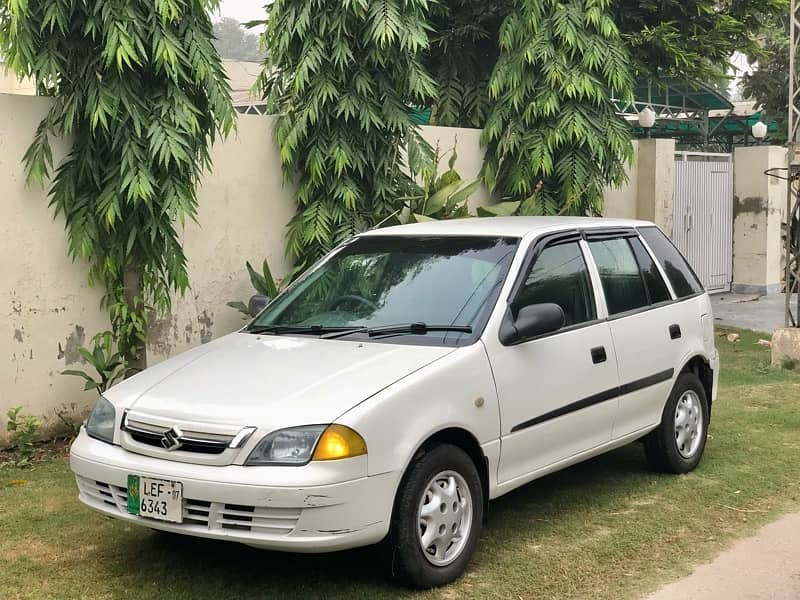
x,y
674,332
599,355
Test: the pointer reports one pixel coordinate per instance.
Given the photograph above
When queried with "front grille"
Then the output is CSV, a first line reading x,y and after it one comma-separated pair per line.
x,y
196,511
199,446
105,493
156,436
204,514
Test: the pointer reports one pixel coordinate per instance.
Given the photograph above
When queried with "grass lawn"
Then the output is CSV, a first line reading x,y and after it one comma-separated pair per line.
x,y
607,528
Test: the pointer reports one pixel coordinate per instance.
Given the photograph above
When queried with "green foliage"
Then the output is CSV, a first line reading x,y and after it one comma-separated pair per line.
x,y
536,75
128,322
264,284
342,76
463,51
444,196
554,139
439,197
23,430
768,83
139,89
109,363
691,39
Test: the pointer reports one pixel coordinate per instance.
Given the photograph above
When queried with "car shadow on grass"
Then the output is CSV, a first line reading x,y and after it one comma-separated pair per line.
x,y
196,568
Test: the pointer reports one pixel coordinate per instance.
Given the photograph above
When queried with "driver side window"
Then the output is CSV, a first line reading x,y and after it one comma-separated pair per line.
x,y
559,275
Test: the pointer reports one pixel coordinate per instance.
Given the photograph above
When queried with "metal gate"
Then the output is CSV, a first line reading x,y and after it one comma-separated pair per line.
x,y
703,215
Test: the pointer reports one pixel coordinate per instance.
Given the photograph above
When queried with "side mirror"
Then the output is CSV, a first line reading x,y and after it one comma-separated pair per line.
x,y
257,304
532,321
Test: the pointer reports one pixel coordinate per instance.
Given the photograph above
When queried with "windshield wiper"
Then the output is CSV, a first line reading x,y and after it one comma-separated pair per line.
x,y
413,328
286,329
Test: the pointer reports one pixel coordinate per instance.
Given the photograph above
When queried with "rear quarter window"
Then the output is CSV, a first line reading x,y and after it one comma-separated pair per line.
x,y
619,273
656,288
680,274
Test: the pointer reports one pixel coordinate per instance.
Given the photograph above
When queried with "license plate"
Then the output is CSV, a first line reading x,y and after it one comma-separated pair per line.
x,y
155,498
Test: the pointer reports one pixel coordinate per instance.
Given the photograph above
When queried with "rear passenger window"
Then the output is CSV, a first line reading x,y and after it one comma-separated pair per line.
x,y
679,273
559,276
619,272
656,288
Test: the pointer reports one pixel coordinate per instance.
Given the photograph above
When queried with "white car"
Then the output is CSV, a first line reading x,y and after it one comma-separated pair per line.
x,y
411,376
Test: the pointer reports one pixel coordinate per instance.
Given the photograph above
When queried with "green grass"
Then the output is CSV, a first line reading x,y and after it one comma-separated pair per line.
x,y
607,528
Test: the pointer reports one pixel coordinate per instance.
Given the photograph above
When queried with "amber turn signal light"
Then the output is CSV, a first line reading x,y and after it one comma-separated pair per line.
x,y
338,441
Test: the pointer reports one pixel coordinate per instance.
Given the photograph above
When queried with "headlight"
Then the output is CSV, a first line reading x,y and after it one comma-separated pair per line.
x,y
299,445
100,424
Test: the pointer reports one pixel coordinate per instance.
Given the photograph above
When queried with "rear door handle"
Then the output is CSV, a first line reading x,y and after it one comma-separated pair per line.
x,y
674,332
599,355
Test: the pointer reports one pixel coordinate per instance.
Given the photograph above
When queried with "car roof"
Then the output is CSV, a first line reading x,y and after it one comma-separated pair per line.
x,y
505,226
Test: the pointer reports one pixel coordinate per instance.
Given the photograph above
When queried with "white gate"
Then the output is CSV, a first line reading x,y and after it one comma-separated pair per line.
x,y
703,215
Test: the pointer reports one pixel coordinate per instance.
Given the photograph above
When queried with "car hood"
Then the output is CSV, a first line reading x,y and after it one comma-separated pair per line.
x,y
270,381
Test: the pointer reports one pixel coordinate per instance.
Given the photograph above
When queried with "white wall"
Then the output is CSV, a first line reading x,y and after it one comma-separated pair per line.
x,y
758,213
648,192
620,202
47,309
243,208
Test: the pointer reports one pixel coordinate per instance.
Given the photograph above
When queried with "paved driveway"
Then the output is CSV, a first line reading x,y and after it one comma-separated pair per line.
x,y
763,567
759,313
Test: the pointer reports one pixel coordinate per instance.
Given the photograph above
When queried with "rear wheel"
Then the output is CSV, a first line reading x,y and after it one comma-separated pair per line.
x,y
437,518
678,444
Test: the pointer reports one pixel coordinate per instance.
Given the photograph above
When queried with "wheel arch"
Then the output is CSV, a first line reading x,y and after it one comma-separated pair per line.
x,y
700,366
461,438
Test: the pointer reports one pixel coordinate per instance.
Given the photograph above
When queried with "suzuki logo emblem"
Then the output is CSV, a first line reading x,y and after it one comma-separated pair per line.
x,y
171,440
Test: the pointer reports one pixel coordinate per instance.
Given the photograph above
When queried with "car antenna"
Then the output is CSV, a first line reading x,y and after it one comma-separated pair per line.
x,y
394,214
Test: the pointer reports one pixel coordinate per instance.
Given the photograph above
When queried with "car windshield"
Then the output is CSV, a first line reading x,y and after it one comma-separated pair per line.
x,y
386,281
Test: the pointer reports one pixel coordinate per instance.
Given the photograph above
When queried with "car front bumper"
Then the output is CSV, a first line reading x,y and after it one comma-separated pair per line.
x,y
230,503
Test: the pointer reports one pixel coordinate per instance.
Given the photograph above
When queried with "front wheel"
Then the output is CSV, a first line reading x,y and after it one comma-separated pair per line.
x,y
437,518
678,444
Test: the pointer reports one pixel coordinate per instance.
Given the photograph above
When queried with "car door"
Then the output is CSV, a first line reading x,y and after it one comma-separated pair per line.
x,y
557,393
645,326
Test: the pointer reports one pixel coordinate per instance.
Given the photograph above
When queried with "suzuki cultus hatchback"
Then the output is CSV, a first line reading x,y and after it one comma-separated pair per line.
x,y
411,376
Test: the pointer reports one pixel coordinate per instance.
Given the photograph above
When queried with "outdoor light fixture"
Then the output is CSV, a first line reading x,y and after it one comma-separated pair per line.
x,y
759,130
647,118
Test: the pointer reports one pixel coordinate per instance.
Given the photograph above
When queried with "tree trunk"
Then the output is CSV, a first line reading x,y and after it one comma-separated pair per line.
x,y
136,355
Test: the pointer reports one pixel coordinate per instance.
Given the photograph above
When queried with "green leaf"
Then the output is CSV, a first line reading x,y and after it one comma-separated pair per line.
x,y
417,218
436,201
240,306
463,194
80,374
272,287
501,209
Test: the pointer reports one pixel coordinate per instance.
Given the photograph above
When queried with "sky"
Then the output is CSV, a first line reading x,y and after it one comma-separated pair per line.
x,y
243,10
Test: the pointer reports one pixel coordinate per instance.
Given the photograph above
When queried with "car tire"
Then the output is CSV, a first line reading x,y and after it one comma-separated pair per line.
x,y
440,495
677,445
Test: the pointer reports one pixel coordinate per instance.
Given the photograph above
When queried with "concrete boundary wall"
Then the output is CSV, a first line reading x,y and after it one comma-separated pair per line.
x,y
649,190
49,311
759,211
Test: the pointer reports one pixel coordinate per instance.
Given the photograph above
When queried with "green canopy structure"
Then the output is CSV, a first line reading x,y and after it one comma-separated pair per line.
x,y
698,116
